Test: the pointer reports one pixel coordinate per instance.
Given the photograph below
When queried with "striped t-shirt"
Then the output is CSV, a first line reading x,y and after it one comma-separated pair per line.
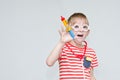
x,y
71,67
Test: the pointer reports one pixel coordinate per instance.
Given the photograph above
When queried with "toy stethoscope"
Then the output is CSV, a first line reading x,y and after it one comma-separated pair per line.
x,y
86,61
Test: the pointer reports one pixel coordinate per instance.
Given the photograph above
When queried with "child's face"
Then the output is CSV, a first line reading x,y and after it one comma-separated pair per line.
x,y
80,29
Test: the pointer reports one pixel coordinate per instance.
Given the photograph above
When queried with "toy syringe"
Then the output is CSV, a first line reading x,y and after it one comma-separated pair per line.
x,y
68,28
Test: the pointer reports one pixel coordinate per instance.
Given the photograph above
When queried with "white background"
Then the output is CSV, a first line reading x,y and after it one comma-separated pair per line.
x,y
29,31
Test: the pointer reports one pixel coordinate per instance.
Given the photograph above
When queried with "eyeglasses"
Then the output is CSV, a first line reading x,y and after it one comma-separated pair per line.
x,y
82,28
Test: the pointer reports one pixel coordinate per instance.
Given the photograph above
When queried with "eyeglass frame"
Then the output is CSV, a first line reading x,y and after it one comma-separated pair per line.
x,y
81,27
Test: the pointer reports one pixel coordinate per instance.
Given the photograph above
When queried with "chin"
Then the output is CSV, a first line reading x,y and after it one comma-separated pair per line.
x,y
78,41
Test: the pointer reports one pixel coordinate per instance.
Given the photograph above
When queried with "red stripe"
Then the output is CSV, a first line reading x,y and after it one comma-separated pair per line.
x,y
72,78
71,74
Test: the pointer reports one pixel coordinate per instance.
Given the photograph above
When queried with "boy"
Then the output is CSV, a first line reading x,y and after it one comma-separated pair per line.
x,y
76,60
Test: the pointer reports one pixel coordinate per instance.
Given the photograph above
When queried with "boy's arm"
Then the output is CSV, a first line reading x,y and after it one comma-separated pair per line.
x,y
55,53
92,75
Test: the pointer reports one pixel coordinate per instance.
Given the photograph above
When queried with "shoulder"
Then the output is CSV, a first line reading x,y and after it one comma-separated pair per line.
x,y
90,51
66,49
67,46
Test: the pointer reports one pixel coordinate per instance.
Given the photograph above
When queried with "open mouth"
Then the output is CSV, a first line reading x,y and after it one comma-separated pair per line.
x,y
80,35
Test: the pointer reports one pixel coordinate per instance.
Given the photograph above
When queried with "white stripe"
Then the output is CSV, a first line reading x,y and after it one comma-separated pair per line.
x,y
81,70
71,66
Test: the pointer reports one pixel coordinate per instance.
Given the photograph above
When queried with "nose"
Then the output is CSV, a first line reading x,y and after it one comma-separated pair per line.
x,y
80,29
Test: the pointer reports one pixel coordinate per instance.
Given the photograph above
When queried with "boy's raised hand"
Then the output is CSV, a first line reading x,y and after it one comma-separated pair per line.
x,y
65,36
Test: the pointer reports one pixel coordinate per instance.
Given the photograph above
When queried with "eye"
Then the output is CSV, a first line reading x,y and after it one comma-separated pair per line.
x,y
76,26
85,27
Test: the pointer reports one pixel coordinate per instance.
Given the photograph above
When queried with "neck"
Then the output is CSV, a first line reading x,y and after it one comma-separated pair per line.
x,y
80,45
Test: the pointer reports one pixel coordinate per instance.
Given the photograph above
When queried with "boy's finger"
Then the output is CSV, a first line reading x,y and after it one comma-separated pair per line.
x,y
62,28
60,32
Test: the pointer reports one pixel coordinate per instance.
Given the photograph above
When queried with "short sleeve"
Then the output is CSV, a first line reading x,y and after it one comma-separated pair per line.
x,y
64,51
94,62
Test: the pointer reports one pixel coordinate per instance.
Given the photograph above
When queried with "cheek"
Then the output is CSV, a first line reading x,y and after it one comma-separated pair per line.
x,y
75,33
87,33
